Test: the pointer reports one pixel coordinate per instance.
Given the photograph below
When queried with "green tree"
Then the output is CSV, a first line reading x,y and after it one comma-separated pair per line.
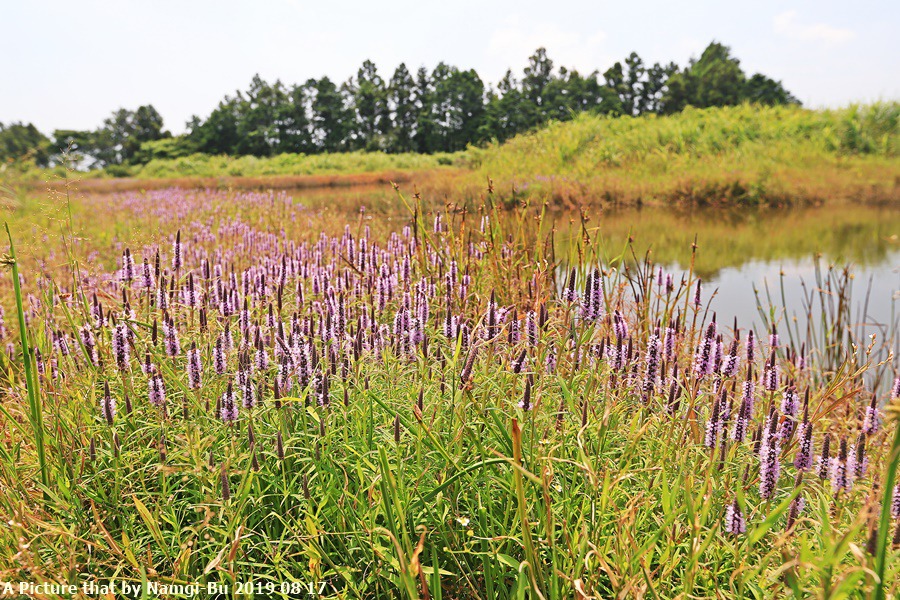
x,y
638,88
218,134
120,137
716,79
425,120
453,110
614,78
570,93
633,100
538,75
442,110
147,125
507,111
294,126
258,125
372,118
330,117
656,84
465,112
77,145
404,105
763,90
164,149
19,141
720,80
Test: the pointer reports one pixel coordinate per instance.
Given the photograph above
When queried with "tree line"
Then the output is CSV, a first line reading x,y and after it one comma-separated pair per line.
x,y
442,110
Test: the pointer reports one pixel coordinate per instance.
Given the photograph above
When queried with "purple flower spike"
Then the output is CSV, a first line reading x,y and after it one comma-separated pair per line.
x,y
173,345
742,423
90,345
770,374
735,524
670,343
157,391
769,456
895,503
790,402
619,326
127,273
839,476
592,305
652,361
570,295
712,427
229,409
731,362
804,459
195,368
525,403
872,419
120,346
751,347
824,464
177,252
220,360
108,405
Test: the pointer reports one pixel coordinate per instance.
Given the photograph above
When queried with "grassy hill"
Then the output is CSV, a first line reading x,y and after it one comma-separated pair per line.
x,y
743,154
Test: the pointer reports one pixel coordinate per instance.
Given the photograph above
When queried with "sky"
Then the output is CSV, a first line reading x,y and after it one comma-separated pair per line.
x,y
68,65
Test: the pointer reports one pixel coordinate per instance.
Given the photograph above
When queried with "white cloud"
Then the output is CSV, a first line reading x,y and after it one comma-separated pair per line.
x,y
787,25
511,46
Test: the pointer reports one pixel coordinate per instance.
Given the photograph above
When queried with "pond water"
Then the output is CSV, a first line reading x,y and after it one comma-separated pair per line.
x,y
772,257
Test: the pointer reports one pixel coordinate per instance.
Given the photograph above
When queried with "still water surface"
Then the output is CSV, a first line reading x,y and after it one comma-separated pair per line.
x,y
762,257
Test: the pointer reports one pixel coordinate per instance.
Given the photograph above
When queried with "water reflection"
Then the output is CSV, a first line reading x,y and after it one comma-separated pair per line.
x,y
752,258
861,235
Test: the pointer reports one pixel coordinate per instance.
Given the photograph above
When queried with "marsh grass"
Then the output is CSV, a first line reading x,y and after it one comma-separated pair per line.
x,y
421,476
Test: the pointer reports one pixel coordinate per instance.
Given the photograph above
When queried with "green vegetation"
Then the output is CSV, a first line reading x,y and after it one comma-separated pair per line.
x,y
202,165
745,154
207,166
716,79
532,448
20,143
443,110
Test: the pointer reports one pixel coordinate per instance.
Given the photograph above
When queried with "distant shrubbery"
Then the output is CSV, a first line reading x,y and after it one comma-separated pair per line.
x,y
202,165
206,166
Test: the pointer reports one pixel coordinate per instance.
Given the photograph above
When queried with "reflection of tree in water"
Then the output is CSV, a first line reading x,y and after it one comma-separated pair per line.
x,y
730,238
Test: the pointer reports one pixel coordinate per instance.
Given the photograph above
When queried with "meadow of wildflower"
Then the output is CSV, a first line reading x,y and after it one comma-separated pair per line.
x,y
225,386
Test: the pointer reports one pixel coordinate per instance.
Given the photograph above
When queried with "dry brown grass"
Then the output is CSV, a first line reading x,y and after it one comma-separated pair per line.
x,y
265,182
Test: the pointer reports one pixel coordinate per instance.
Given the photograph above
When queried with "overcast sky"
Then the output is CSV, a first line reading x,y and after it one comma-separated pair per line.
x,y
66,64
